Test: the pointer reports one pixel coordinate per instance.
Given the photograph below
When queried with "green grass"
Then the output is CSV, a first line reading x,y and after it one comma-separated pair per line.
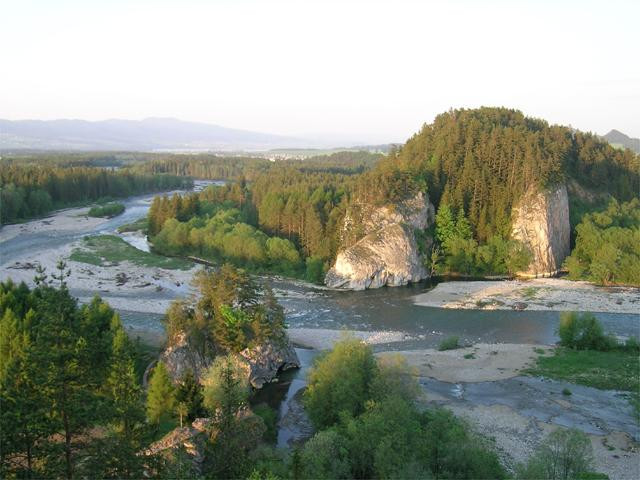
x,y
529,293
617,369
140,224
613,370
102,250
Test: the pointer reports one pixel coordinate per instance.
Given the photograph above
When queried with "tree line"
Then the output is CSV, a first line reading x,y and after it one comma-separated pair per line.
x,y
483,160
28,191
607,249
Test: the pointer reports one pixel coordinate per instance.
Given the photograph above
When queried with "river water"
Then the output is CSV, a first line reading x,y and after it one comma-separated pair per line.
x,y
385,309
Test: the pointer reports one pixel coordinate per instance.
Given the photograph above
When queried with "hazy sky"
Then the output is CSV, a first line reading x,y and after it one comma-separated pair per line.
x,y
370,71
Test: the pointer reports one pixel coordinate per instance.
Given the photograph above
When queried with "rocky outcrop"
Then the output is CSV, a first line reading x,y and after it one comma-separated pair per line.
x,y
541,222
387,253
193,440
262,362
267,359
180,357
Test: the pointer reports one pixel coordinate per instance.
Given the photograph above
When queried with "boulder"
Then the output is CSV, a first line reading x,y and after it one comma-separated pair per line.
x,y
267,359
541,222
388,253
262,362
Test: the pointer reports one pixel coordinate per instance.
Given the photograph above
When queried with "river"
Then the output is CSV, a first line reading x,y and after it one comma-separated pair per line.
x,y
385,309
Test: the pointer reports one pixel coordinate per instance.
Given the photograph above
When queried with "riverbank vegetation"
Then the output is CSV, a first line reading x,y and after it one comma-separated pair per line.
x,y
106,211
286,222
607,249
105,250
30,190
139,225
455,251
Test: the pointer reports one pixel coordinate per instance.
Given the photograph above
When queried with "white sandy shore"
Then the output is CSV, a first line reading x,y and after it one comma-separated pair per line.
x,y
324,339
65,221
536,294
485,362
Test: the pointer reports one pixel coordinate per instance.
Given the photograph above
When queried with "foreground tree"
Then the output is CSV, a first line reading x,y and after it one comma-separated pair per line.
x,y
160,396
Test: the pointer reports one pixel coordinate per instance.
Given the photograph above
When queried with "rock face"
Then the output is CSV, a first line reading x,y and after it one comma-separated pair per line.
x,y
180,357
541,221
267,359
387,253
262,362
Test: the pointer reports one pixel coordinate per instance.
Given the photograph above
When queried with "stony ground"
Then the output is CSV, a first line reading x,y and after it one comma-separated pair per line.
x,y
536,294
481,384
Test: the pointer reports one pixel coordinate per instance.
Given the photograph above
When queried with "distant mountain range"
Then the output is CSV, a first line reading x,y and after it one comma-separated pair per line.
x,y
619,139
145,135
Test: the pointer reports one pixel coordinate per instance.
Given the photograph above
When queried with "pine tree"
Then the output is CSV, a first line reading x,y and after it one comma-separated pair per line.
x,y
463,227
160,397
189,394
445,225
123,387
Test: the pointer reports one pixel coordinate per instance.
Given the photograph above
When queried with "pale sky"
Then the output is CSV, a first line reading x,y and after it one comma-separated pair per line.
x,y
373,71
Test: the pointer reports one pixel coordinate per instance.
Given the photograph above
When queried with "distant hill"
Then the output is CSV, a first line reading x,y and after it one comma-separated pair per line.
x,y
143,135
619,139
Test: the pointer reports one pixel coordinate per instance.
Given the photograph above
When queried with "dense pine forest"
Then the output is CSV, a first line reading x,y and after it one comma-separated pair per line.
x,y
286,216
31,190
474,165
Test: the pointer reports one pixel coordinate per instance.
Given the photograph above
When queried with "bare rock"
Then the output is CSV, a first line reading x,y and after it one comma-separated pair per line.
x,y
262,362
181,357
541,221
388,254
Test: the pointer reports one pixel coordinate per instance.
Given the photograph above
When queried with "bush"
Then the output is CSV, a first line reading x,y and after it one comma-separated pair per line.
x,y
394,378
109,210
270,418
583,332
564,454
449,343
324,457
632,344
217,393
450,450
339,383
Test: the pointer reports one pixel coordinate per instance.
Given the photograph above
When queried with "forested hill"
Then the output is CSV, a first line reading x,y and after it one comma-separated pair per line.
x,y
484,159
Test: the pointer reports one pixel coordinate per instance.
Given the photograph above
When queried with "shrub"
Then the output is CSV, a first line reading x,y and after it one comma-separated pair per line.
x,y
232,393
394,377
564,454
450,450
632,344
583,332
109,210
339,382
270,418
449,343
324,457
566,392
